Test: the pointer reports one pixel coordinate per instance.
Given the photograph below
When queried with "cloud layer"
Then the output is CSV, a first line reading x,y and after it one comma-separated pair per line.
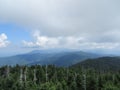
x,y
63,17
67,42
3,40
66,23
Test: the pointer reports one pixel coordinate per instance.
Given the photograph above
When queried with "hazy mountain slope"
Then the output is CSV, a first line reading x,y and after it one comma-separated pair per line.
x,y
67,58
103,63
60,58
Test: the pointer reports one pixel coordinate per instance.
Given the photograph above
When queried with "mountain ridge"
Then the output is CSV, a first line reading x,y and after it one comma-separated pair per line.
x,y
59,58
100,64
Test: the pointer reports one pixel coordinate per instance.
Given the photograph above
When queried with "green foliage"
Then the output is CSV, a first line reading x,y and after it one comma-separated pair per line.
x,y
59,78
101,64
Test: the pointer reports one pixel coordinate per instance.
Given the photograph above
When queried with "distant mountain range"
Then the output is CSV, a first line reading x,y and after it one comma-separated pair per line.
x,y
59,57
101,64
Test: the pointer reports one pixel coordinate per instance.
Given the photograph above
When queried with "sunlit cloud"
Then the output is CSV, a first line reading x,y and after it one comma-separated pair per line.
x,y
3,40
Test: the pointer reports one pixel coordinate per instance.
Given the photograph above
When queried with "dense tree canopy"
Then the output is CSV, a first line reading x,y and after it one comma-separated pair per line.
x,y
57,78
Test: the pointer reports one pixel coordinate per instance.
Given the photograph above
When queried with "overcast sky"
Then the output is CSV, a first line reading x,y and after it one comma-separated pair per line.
x,y
76,24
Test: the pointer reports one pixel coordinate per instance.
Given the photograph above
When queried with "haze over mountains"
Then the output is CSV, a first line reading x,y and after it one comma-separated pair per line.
x,y
59,57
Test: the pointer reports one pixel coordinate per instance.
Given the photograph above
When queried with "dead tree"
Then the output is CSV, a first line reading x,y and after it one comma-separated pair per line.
x,y
84,81
75,76
25,74
35,78
21,76
8,72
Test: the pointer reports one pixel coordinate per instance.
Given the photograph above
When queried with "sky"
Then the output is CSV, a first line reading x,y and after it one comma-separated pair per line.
x,y
90,25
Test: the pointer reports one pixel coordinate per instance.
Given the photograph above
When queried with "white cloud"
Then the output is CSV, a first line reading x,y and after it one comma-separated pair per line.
x,y
67,42
3,40
102,46
66,23
63,17
42,41
28,44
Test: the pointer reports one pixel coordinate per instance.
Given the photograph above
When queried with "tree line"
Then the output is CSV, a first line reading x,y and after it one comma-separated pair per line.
x,y
57,78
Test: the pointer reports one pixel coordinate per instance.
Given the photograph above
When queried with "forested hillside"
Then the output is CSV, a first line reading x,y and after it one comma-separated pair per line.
x,y
101,64
57,78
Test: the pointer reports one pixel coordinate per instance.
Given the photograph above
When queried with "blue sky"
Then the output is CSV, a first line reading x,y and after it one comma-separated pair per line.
x,y
88,25
15,32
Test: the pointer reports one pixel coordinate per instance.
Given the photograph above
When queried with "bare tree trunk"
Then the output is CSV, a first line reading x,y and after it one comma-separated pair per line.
x,y
25,74
21,76
84,81
75,82
8,72
35,78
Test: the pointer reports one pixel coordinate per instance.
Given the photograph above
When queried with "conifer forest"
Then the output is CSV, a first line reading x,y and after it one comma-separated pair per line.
x,y
57,78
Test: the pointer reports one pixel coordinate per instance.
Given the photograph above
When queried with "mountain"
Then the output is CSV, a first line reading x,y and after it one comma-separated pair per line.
x,y
66,58
42,57
58,50
101,64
